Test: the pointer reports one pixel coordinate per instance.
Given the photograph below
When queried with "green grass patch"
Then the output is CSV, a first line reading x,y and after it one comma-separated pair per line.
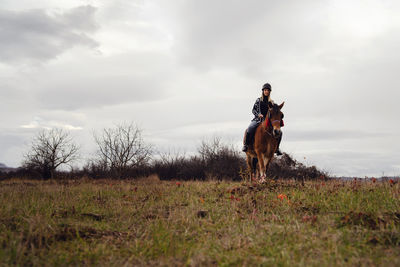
x,y
152,222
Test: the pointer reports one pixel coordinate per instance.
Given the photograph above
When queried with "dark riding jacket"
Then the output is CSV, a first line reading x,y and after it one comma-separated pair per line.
x,y
260,107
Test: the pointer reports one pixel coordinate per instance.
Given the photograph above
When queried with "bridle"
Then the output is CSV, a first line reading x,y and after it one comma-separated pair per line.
x,y
269,122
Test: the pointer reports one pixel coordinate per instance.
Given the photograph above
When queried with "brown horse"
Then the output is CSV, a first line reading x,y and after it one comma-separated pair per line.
x,y
265,142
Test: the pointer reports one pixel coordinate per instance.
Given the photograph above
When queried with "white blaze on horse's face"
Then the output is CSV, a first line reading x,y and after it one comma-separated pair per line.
x,y
277,128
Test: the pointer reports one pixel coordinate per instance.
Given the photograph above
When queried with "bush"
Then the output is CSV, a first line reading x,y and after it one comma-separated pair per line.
x,y
287,167
215,161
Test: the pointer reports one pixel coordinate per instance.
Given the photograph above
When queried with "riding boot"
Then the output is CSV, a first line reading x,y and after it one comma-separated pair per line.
x,y
278,151
245,141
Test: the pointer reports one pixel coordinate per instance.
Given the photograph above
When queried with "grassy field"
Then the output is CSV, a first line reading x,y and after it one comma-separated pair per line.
x,y
151,222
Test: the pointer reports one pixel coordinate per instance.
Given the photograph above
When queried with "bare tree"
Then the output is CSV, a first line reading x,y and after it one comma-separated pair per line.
x,y
122,148
49,150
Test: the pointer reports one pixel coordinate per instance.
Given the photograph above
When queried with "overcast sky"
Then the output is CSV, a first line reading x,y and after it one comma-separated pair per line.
x,y
185,70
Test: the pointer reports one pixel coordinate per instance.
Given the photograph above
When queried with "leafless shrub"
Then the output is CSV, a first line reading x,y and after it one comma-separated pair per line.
x,y
215,160
121,149
209,149
49,150
171,166
222,161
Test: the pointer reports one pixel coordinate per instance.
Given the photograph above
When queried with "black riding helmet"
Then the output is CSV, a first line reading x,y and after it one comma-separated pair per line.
x,y
267,86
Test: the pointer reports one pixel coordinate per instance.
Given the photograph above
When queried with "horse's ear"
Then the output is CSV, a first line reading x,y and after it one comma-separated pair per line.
x,y
281,105
270,105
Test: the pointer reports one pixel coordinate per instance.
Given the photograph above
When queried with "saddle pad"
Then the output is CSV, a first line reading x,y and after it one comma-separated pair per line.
x,y
266,123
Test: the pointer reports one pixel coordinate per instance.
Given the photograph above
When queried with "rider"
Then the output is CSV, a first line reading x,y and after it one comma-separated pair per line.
x,y
260,110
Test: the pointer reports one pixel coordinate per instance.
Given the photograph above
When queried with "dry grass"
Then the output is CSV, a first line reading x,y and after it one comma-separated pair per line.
x,y
152,222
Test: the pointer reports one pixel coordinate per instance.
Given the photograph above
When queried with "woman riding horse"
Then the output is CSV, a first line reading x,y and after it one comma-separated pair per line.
x,y
260,110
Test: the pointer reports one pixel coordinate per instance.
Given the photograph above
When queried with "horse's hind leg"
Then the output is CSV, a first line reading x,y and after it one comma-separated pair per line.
x,y
249,161
254,163
256,172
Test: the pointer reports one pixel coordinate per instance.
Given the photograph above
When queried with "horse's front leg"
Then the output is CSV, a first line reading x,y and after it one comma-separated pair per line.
x,y
266,162
266,165
261,167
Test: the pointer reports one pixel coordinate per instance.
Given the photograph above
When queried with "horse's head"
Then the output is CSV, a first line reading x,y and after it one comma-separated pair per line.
x,y
275,117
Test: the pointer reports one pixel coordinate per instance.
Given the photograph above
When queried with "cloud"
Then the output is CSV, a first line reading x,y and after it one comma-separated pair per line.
x,y
254,37
99,81
40,123
38,35
186,69
80,80
13,146
296,135
354,163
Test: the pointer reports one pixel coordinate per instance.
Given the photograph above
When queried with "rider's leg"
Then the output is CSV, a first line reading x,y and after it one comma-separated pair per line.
x,y
249,135
245,141
278,151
